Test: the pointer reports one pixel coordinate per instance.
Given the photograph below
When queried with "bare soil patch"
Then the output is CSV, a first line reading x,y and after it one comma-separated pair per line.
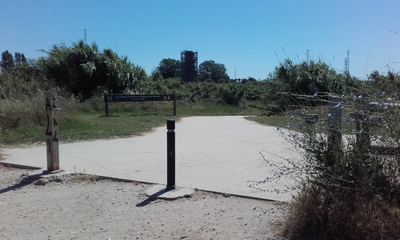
x,y
87,207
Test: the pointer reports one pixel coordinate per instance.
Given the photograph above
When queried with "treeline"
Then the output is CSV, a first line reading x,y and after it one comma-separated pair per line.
x,y
83,71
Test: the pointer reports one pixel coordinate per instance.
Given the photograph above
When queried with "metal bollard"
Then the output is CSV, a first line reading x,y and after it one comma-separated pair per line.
x,y
171,154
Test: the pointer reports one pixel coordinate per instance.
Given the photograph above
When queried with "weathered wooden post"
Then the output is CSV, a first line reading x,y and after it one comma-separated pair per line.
x,y
334,128
363,139
107,98
53,161
106,109
170,154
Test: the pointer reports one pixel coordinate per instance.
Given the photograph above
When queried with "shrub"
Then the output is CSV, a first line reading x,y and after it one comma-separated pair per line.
x,y
22,82
337,213
194,91
232,93
352,186
14,113
254,90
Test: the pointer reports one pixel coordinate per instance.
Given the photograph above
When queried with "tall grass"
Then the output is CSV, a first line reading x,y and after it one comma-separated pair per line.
x,y
23,121
16,113
336,213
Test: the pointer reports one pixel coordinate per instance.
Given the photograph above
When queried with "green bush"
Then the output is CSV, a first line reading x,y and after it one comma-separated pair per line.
x,y
232,93
22,82
194,91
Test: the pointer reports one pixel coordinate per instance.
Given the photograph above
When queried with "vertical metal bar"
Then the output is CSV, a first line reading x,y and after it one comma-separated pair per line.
x,y
170,154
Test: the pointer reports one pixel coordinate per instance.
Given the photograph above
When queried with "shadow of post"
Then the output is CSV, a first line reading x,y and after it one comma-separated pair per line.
x,y
24,182
152,198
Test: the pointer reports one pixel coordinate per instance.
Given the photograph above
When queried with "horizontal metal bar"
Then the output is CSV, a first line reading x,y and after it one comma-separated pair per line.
x,y
137,98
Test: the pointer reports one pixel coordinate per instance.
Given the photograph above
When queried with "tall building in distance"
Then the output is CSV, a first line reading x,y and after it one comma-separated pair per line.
x,y
189,66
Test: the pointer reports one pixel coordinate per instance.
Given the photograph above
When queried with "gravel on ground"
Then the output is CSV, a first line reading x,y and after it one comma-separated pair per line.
x,y
78,206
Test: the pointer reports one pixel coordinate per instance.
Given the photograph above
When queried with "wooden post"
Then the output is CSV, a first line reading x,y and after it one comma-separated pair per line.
x,y
106,99
363,139
334,128
106,109
53,163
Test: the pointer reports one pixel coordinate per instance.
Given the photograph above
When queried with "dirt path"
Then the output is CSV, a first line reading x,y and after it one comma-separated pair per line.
x,y
74,207
219,154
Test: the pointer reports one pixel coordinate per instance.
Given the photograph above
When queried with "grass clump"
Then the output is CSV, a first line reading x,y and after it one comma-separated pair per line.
x,y
82,177
27,112
337,213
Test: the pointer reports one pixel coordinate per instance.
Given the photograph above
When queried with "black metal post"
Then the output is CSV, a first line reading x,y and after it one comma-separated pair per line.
x,y
171,154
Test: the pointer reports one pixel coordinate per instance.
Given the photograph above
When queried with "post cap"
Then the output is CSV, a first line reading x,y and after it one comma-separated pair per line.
x,y
171,124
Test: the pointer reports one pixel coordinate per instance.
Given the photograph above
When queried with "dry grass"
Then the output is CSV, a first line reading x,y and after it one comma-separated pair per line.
x,y
82,177
341,214
15,113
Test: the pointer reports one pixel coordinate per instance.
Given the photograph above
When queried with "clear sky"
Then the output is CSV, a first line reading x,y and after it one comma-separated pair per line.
x,y
250,37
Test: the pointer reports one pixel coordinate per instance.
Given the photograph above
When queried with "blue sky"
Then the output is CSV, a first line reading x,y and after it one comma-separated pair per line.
x,y
250,37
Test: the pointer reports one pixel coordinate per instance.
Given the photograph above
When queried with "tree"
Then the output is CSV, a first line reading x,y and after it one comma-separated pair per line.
x,y
247,80
210,70
300,79
114,73
156,75
388,84
82,69
20,58
170,68
7,60
136,79
72,68
309,78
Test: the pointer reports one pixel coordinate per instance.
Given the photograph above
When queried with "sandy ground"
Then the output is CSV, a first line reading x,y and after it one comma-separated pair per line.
x,y
219,154
73,207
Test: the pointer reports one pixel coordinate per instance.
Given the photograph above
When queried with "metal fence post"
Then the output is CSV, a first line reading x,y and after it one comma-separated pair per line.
x,y
170,154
